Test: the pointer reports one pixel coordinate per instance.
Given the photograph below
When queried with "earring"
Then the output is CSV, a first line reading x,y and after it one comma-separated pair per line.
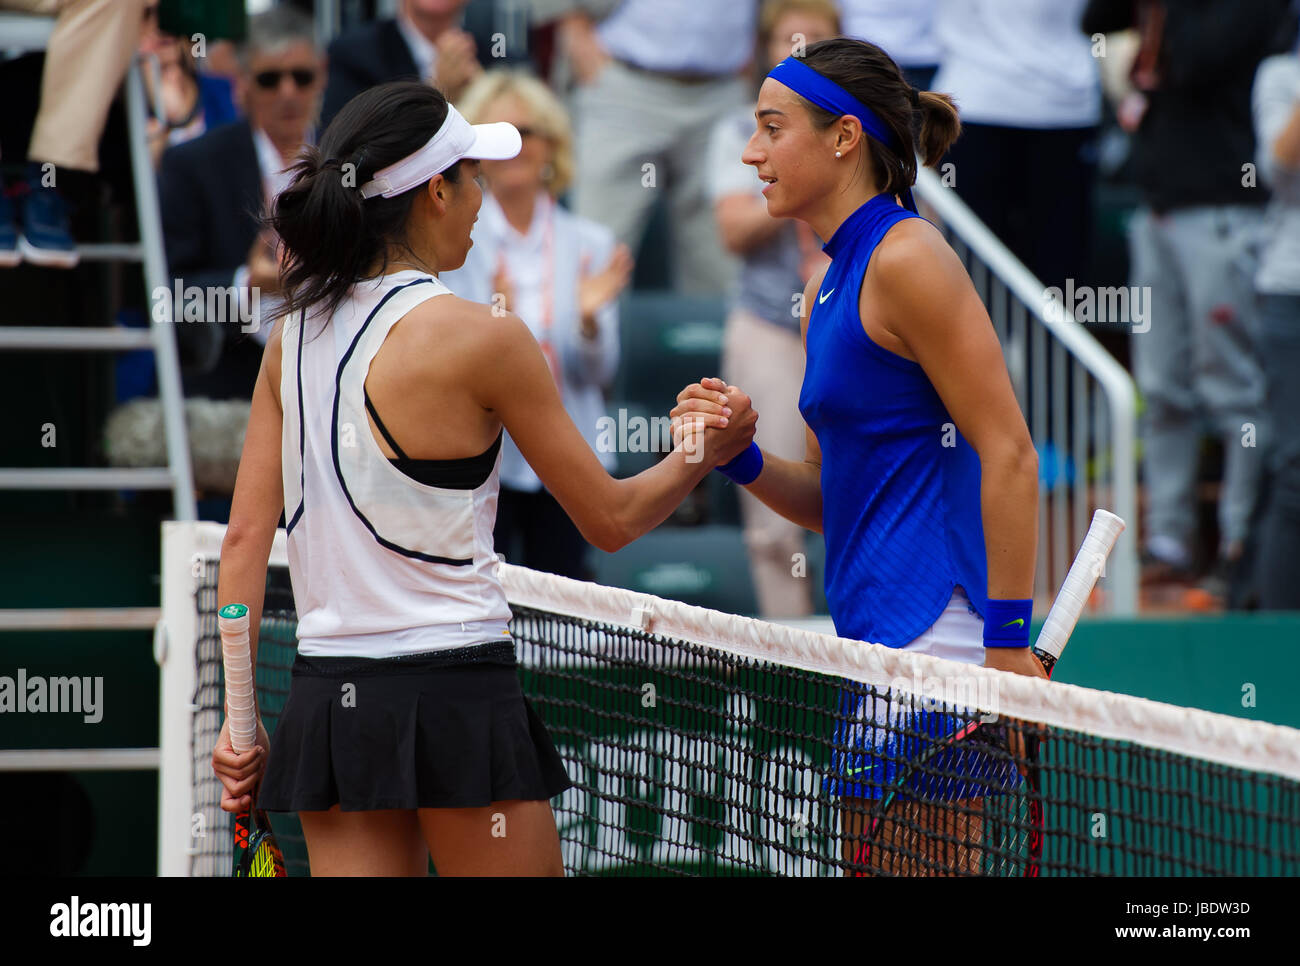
x,y
837,154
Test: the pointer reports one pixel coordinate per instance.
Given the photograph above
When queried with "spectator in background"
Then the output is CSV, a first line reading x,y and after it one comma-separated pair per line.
x,y
561,274
763,350
653,77
1277,135
213,191
424,42
85,60
223,61
1029,93
503,33
183,103
1192,134
905,29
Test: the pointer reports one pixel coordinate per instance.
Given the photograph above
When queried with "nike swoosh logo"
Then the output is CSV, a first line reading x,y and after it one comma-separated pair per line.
x,y
1019,621
822,298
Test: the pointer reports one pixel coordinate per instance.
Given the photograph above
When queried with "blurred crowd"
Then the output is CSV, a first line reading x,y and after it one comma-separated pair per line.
x,y
635,114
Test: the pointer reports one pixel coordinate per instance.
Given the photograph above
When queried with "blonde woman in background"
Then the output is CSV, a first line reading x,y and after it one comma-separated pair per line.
x,y
763,350
562,275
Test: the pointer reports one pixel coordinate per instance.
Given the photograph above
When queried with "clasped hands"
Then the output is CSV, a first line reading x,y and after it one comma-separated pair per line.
x,y
712,422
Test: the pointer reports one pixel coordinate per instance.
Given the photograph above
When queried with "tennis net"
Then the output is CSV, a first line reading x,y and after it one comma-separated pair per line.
x,y
702,743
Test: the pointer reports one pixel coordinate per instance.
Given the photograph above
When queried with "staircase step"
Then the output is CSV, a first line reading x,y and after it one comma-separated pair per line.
x,y
74,338
86,478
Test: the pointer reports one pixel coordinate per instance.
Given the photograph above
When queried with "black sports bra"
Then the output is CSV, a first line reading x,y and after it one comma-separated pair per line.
x,y
467,473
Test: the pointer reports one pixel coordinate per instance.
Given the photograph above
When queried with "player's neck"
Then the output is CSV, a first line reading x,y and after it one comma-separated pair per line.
x,y
836,209
403,259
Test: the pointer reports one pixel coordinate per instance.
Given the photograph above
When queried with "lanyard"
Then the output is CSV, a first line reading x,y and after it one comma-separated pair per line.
x,y
547,310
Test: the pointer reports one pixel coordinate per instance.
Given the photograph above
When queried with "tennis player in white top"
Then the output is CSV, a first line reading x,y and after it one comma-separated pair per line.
x,y
375,429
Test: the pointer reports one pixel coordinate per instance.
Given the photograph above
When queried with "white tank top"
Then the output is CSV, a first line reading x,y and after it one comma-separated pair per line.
x,y
381,564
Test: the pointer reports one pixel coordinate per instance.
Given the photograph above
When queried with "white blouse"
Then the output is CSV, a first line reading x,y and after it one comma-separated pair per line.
x,y
544,266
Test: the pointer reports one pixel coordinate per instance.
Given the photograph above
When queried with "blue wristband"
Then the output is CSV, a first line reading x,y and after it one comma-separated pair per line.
x,y
744,469
1006,623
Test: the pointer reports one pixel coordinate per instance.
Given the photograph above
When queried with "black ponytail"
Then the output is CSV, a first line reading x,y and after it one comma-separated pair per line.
x,y
332,236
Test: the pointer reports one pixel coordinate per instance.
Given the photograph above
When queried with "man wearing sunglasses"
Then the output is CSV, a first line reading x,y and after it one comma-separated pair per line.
x,y
214,188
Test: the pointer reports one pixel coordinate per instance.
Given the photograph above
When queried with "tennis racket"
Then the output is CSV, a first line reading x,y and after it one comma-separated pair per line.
x,y
978,761
256,853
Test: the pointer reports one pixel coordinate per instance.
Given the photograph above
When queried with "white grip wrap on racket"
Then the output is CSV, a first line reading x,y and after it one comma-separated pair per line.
x,y
241,699
1083,576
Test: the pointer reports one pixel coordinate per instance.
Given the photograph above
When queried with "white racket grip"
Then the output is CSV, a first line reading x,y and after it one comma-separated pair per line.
x,y
1083,576
241,701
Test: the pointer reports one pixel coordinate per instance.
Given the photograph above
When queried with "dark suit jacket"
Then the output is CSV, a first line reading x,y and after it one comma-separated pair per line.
x,y
368,55
210,190
375,53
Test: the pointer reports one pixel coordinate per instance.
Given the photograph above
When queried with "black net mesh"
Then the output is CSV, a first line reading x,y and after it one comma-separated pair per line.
x,y
690,760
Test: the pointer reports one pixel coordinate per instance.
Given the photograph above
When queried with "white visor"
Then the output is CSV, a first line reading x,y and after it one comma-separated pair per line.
x,y
456,139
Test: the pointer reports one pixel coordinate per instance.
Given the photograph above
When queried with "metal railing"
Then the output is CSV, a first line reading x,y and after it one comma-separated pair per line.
x,y
25,32
1079,402
81,619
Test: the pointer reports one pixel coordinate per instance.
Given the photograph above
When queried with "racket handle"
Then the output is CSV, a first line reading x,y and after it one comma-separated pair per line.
x,y
1079,582
1048,660
241,698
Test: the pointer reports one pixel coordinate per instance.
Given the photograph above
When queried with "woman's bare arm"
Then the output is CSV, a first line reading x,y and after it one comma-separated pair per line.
x,y
514,382
926,300
793,488
254,513
1286,148
258,500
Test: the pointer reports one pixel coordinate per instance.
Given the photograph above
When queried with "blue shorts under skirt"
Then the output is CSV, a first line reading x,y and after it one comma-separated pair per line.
x,y
878,737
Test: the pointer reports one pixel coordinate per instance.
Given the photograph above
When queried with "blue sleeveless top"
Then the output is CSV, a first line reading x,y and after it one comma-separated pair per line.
x,y
900,486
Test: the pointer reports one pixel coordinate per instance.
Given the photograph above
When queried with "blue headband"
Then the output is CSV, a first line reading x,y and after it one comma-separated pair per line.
x,y
826,94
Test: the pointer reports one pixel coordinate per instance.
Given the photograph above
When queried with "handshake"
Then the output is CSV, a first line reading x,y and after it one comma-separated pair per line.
x,y
712,422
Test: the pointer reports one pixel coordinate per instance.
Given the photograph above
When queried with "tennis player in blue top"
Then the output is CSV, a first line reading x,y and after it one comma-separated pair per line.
x,y
919,469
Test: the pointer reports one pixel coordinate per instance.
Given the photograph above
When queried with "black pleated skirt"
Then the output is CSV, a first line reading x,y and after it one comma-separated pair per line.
x,y
447,729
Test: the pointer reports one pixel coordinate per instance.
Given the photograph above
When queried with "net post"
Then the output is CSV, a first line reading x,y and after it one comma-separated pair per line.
x,y
177,679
